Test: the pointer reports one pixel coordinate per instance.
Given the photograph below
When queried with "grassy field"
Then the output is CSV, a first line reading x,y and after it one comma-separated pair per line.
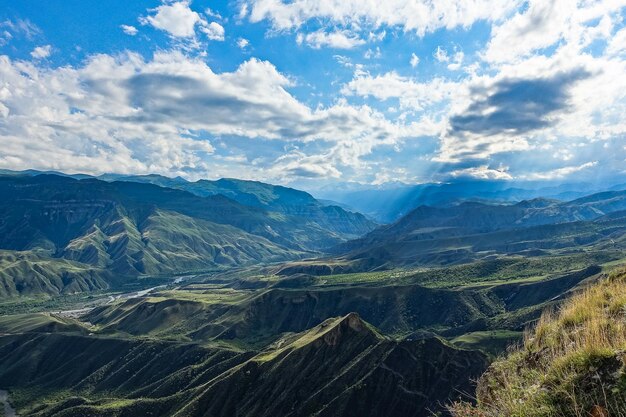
x,y
487,272
493,342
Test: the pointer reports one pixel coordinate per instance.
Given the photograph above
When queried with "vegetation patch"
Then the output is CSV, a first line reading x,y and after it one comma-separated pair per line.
x,y
571,364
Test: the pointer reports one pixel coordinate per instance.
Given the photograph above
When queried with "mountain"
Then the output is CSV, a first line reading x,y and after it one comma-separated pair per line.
x,y
469,231
342,367
131,229
273,198
388,204
337,222
483,296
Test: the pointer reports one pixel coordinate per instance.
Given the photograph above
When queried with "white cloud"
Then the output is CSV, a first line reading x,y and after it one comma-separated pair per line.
x,y
298,164
372,53
547,23
214,31
243,43
420,17
10,29
126,114
414,60
483,172
129,30
336,39
410,93
558,173
41,52
377,37
213,14
441,55
617,45
540,26
177,19
456,61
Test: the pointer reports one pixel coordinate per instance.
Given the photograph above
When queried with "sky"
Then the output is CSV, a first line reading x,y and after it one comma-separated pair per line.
x,y
312,93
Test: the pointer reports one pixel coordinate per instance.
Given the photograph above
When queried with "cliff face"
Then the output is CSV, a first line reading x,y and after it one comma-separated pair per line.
x,y
572,364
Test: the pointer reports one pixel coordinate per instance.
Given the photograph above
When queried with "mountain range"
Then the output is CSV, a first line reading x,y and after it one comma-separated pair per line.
x,y
129,229
146,295
387,204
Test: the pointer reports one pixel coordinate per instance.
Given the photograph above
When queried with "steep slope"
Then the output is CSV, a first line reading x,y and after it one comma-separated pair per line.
x,y
169,242
256,317
31,273
571,364
122,230
91,198
273,198
342,367
470,231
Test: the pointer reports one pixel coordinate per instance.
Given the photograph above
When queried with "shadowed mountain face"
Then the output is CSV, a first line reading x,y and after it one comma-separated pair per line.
x,y
268,197
342,367
389,205
470,231
131,229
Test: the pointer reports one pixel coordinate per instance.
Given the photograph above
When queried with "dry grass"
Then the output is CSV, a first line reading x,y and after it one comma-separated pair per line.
x,y
571,363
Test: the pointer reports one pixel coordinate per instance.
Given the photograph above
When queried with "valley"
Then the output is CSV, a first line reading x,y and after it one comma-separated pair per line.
x,y
146,296
304,208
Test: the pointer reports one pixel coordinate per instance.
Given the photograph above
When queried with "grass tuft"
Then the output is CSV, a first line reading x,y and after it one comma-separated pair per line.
x,y
572,363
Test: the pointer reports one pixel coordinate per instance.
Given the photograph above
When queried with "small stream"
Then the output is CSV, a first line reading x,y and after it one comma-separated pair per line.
x,y
135,294
4,400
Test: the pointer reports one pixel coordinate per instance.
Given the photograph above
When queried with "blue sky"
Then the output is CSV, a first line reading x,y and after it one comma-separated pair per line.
x,y
312,93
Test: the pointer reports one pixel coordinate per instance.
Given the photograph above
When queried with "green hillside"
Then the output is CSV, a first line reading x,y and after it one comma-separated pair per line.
x,y
571,362
342,367
94,234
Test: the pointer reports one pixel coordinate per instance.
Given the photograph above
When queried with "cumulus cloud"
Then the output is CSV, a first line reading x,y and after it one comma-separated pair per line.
x,y
214,31
337,39
41,52
420,17
129,30
177,19
545,23
298,164
410,93
516,106
539,84
180,21
617,45
243,43
454,62
131,115
483,172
